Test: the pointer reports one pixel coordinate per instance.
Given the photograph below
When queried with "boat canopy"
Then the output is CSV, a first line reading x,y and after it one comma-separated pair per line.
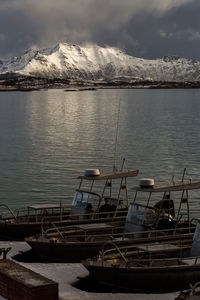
x,y
178,186
114,175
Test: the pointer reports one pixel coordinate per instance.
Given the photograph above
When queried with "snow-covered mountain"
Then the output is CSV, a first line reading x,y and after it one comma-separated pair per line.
x,y
97,63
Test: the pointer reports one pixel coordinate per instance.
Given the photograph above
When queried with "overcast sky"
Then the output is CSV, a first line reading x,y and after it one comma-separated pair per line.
x,y
142,28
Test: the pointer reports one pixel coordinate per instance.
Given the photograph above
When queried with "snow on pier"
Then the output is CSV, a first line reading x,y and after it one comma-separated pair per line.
x,y
66,275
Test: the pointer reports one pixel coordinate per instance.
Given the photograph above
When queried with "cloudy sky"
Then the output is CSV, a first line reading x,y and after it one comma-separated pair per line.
x,y
142,28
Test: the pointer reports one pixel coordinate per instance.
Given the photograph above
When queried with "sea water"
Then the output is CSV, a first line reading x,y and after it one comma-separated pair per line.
x,y
48,138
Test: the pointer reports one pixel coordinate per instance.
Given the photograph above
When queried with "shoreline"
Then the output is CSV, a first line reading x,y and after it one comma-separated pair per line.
x,y
30,83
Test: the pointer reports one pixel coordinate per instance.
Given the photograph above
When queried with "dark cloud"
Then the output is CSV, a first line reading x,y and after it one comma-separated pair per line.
x,y
150,35
149,29
176,32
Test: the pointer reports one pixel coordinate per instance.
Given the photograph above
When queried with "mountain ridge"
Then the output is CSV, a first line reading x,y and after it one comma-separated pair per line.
x,y
92,62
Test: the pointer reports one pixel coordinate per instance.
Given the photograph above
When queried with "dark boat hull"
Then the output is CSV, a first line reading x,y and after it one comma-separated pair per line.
x,y
148,280
21,230
78,251
18,231
62,252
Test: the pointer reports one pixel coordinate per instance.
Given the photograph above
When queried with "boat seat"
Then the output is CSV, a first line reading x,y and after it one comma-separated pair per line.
x,y
191,261
158,247
119,238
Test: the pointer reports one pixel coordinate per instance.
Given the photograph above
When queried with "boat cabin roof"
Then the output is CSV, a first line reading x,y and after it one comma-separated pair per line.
x,y
87,192
114,175
160,187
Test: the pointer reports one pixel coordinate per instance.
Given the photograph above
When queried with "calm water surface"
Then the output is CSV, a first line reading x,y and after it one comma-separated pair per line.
x,y
48,138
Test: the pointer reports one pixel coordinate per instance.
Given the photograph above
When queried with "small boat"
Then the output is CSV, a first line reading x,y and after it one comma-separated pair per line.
x,y
87,206
149,268
144,223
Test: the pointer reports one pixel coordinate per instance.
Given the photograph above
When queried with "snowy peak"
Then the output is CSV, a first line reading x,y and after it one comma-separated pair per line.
x,y
93,62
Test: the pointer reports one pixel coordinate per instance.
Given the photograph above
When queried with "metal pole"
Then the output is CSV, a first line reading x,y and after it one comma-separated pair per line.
x,y
184,171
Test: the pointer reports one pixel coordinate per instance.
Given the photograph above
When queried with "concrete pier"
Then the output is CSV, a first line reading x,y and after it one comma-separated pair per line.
x,y
65,274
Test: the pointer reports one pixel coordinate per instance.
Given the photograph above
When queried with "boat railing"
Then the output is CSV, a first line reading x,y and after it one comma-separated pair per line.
x,y
160,232
35,213
56,228
100,215
148,252
119,235
10,210
41,214
189,261
116,247
87,218
78,229
180,240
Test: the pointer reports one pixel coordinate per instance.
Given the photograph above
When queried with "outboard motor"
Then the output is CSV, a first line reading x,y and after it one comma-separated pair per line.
x,y
166,205
167,213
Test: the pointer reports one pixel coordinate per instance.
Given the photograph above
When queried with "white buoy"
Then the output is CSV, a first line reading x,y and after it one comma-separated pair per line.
x,y
92,172
146,182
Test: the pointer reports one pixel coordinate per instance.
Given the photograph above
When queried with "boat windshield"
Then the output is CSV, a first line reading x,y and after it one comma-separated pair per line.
x,y
83,198
141,215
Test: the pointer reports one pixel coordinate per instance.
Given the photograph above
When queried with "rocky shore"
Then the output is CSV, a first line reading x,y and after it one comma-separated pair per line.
x,y
30,83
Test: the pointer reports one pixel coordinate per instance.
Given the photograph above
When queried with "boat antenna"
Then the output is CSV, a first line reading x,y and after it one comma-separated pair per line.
x,y
173,182
116,136
184,171
123,164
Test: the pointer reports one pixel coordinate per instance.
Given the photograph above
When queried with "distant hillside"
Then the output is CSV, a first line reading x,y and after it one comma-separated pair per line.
x,y
65,61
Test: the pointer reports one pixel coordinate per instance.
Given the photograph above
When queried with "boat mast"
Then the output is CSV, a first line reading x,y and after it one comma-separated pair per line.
x,y
116,137
184,200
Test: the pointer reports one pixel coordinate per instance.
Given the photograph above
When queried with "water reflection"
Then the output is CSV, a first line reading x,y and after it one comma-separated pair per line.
x,y
49,137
